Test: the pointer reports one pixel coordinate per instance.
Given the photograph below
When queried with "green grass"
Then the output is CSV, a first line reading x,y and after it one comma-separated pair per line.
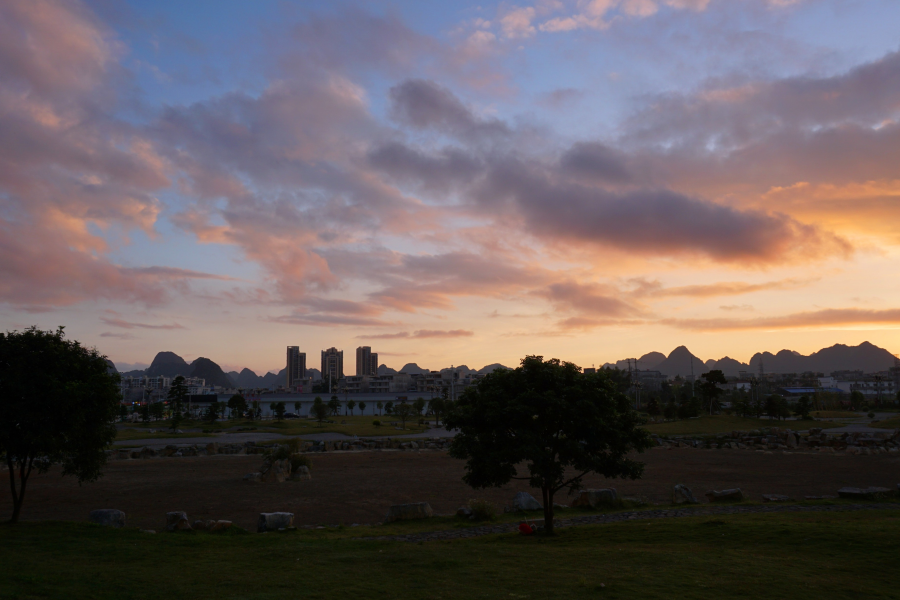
x,y
789,556
728,423
892,423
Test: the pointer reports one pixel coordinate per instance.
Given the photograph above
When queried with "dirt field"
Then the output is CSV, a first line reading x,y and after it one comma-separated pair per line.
x,y
359,487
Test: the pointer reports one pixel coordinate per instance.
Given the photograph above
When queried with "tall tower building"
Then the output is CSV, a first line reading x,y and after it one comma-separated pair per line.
x,y
332,364
366,361
296,365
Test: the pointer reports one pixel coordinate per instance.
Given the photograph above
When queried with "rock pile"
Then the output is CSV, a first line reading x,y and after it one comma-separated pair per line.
x,y
358,445
178,521
776,438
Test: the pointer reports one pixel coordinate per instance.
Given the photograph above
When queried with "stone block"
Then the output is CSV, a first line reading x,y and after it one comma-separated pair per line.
x,y
220,525
682,494
177,521
301,474
869,493
733,495
775,498
593,498
108,517
405,512
525,501
274,521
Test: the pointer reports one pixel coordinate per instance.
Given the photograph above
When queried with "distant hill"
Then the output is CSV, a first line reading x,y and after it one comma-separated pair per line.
x,y
729,366
491,368
271,380
463,370
413,369
211,372
679,362
647,362
386,370
247,379
168,364
866,357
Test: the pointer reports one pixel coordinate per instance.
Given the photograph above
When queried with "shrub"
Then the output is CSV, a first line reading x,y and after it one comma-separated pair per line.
x,y
483,510
871,415
279,452
300,460
376,423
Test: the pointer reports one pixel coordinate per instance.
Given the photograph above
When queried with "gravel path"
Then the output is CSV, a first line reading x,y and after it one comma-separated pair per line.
x,y
455,534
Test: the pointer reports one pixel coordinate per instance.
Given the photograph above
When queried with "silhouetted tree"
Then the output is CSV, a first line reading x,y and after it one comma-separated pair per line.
x,y
710,390
561,423
58,405
176,397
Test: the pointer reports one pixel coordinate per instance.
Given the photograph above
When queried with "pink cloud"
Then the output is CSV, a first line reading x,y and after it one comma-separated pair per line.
x,y
115,322
419,334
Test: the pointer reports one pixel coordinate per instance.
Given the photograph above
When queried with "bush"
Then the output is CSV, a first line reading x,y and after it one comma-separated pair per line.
x,y
376,423
483,510
871,415
300,460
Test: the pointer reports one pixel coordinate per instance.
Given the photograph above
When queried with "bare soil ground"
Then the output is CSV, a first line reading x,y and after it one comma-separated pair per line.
x,y
359,487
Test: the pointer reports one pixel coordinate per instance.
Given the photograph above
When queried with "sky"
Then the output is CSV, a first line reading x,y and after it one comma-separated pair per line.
x,y
450,182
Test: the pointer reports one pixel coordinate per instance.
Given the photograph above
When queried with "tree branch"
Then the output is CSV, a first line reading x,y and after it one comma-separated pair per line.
x,y
574,479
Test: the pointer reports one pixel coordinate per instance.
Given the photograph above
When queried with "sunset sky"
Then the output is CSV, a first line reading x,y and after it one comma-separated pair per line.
x,y
451,182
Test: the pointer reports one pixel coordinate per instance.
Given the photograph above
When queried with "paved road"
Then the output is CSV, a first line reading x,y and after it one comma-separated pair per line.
x,y
240,438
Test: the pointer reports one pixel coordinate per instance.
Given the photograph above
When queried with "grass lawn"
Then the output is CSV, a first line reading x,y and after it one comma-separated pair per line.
x,y
728,423
892,423
790,556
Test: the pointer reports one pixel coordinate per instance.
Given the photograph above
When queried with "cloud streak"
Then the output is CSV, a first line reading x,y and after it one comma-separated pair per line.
x,y
419,334
825,318
116,322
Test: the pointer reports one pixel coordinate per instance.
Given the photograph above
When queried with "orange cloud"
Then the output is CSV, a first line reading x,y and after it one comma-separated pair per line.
x,y
835,317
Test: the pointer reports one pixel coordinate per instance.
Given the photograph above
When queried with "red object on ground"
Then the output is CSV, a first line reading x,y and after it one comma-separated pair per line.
x,y
525,529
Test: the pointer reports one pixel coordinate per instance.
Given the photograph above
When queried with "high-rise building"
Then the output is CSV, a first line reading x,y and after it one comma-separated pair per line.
x,y
332,364
296,366
366,361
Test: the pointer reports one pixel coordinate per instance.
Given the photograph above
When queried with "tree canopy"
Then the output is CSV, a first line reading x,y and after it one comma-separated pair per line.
x,y
561,423
58,405
710,390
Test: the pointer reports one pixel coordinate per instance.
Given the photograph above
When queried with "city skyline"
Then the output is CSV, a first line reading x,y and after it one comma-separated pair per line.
x,y
456,183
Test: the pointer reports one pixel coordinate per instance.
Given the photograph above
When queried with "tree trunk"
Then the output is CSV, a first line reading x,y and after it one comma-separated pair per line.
x,y
19,497
547,494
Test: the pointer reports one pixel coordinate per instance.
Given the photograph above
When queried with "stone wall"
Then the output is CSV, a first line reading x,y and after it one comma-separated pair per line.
x,y
362,444
777,438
